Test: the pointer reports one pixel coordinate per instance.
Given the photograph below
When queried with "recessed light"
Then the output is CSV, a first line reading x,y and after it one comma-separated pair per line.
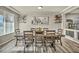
x,y
40,7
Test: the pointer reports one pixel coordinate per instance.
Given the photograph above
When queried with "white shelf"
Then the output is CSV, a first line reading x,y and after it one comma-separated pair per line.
x,y
69,29
72,30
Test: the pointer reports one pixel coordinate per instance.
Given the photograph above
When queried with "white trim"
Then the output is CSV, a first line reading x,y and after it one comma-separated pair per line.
x,y
69,9
72,30
65,9
7,33
13,9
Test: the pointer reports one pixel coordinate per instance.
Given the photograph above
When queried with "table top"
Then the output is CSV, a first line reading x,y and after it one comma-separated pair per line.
x,y
56,34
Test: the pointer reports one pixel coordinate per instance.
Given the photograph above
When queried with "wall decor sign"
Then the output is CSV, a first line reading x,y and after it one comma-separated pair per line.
x,y
58,18
40,20
23,19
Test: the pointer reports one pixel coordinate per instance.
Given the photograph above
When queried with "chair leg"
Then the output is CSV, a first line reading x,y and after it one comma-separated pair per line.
x,y
16,42
60,42
43,46
24,49
57,40
24,45
34,45
53,45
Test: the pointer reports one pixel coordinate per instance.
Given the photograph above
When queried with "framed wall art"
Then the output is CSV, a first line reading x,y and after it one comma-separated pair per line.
x,y
40,20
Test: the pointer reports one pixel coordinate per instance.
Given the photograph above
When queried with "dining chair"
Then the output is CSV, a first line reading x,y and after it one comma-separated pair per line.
x,y
60,31
32,29
18,36
38,41
59,35
50,38
45,29
28,39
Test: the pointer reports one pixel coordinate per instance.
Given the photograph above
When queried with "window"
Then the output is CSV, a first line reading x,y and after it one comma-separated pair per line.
x,y
6,22
9,21
1,25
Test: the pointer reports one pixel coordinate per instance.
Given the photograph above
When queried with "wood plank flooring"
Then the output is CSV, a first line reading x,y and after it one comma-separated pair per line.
x,y
68,46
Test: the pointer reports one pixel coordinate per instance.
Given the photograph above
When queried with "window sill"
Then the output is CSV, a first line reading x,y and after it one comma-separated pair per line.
x,y
6,34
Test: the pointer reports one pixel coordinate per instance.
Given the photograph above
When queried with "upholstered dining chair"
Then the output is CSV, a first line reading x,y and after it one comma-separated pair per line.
x,y
28,39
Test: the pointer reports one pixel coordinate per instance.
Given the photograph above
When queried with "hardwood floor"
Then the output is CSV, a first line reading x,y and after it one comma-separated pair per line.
x,y
68,46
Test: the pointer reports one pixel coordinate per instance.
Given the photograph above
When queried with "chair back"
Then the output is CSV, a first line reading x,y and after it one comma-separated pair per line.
x,y
28,34
50,32
60,31
45,29
17,31
32,29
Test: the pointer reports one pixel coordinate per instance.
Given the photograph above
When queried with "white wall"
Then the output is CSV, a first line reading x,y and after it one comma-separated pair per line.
x,y
28,25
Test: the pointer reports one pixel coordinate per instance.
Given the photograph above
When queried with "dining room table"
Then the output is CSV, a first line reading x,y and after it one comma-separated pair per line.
x,y
44,36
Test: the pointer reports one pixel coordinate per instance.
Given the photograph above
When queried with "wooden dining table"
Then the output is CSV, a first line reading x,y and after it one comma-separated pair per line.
x,y
44,38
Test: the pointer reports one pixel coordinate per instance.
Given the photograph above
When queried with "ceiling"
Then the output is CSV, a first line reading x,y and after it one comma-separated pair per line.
x,y
76,11
34,9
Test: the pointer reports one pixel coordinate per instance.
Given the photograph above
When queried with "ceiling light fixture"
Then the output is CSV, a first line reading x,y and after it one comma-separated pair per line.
x,y
40,7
